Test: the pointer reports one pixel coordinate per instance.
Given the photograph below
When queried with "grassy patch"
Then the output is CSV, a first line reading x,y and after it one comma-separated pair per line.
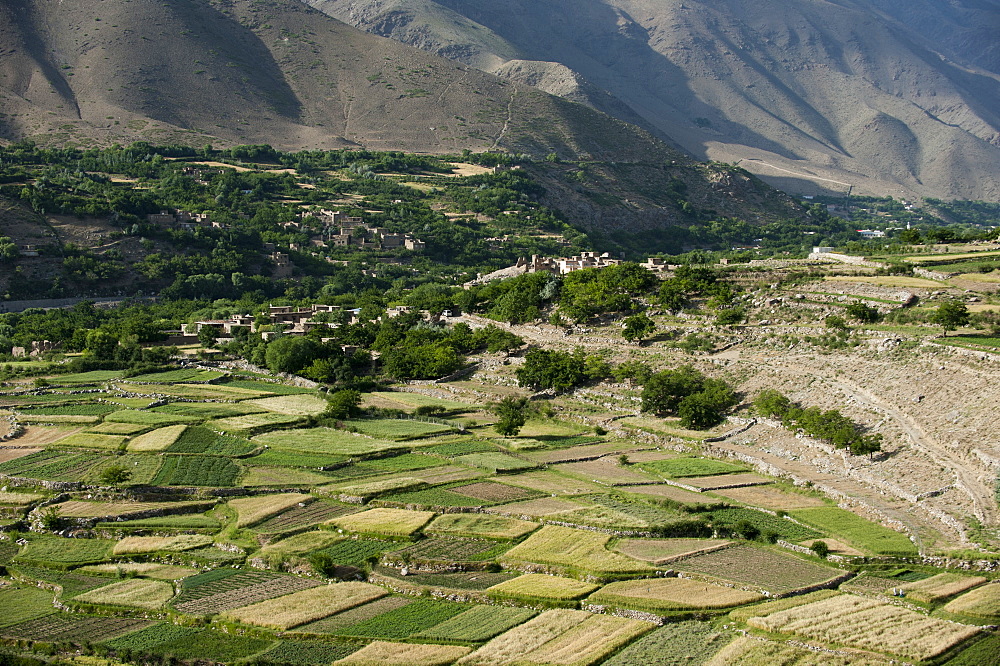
x,y
735,518
134,593
86,440
390,522
496,462
148,418
403,622
61,553
681,467
479,623
192,521
197,439
854,529
300,544
306,653
358,553
248,424
323,440
573,550
22,604
178,376
477,525
160,439
86,409
306,606
209,410
211,471
396,429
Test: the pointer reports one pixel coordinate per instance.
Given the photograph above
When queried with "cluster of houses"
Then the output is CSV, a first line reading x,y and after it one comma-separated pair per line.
x,y
290,320
338,230
564,265
341,230
183,220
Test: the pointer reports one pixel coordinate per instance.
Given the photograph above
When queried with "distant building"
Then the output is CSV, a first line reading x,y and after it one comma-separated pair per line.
x,y
871,233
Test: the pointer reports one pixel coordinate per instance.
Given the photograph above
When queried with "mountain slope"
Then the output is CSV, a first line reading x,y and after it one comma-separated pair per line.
x,y
79,73
880,94
267,72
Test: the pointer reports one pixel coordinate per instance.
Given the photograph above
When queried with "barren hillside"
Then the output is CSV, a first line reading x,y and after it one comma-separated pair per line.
x,y
893,98
275,72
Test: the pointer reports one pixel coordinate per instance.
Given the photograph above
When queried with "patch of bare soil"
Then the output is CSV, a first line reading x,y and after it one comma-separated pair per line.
x,y
14,454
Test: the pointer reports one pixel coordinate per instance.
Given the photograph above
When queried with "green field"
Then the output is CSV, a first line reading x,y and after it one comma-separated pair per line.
x,y
573,550
61,553
857,531
324,440
22,604
682,467
479,623
395,429
197,471
412,618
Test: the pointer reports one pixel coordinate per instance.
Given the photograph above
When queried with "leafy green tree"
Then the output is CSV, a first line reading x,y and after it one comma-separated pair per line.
x,y
100,345
208,335
343,404
771,403
51,520
512,415
8,249
866,314
950,315
638,327
707,407
291,353
637,371
552,369
730,316
820,548
115,475
665,390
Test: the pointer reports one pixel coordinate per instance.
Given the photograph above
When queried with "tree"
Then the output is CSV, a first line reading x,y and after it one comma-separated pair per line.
x,y
101,345
950,315
866,314
552,369
291,354
208,335
343,404
707,407
664,391
115,475
638,327
820,548
512,413
51,520
771,403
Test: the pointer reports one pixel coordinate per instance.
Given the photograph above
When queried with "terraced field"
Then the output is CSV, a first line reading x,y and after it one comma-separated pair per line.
x,y
447,546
